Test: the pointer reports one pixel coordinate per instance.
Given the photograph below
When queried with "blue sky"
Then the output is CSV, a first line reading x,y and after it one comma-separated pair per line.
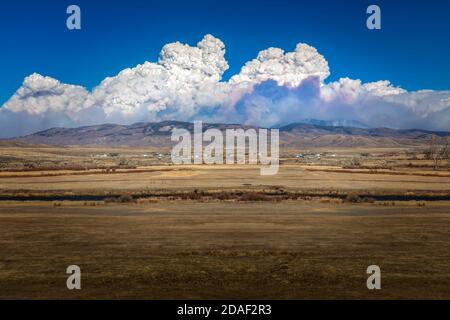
x,y
412,50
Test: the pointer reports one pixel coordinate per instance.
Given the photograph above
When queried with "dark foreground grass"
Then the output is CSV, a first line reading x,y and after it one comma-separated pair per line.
x,y
184,249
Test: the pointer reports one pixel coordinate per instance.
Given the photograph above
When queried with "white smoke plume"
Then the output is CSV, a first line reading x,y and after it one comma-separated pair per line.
x,y
40,94
186,84
184,80
288,69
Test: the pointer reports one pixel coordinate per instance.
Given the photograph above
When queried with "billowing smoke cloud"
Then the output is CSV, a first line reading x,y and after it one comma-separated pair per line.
x,y
40,94
186,84
288,69
43,102
184,80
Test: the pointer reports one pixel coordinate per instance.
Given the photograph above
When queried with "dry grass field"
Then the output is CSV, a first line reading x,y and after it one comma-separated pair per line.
x,y
224,250
141,228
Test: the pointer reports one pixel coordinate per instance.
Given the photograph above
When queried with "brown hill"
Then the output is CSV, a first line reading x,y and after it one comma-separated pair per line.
x,y
294,135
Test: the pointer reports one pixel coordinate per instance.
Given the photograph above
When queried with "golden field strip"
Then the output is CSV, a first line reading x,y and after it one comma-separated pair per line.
x,y
141,228
162,181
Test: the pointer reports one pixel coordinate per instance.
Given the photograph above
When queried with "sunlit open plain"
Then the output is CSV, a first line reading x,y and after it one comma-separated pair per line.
x,y
144,229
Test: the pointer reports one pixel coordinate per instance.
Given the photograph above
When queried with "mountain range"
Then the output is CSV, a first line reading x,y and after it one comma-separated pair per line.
x,y
295,135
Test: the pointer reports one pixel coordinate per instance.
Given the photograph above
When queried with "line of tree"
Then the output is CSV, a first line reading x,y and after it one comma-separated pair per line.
x,y
438,152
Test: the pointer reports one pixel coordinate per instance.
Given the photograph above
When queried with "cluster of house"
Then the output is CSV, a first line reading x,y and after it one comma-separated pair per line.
x,y
312,155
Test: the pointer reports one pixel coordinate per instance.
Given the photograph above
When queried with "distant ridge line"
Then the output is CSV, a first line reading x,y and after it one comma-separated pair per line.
x,y
299,134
